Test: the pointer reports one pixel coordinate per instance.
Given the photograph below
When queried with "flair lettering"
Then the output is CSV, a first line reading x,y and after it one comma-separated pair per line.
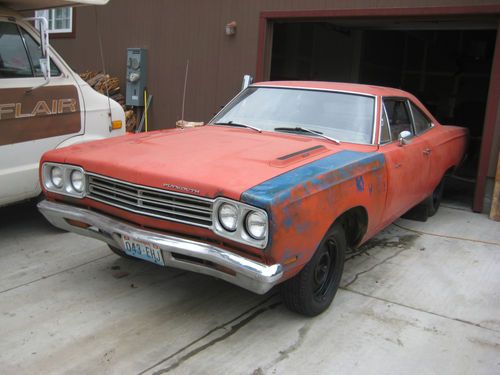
x,y
41,108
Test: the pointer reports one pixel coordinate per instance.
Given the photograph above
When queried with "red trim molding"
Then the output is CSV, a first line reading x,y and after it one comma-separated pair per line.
x,y
488,128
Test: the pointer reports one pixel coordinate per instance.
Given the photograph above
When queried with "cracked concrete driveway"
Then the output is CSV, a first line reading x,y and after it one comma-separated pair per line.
x,y
420,298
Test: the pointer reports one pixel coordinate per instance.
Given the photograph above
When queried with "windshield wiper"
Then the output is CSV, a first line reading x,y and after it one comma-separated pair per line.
x,y
240,125
305,130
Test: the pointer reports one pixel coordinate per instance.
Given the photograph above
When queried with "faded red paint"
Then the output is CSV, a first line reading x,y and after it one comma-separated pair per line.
x,y
225,161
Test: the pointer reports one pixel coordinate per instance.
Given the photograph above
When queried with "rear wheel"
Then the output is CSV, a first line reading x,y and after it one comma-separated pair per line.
x,y
311,291
434,200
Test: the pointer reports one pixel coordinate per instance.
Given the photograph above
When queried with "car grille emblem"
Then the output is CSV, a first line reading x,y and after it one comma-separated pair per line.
x,y
182,188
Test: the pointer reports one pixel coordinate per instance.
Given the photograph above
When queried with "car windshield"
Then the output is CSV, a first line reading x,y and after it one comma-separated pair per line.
x,y
342,116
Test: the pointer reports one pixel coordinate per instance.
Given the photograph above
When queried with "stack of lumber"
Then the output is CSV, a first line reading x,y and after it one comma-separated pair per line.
x,y
131,119
110,86
104,84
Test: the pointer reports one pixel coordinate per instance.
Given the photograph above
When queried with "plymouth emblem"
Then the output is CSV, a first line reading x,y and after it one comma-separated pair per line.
x,y
182,188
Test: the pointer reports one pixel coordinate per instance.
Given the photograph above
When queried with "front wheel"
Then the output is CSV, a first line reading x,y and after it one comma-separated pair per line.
x,y
311,291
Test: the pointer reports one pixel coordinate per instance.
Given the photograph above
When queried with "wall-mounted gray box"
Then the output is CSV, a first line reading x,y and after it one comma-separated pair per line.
x,y
137,64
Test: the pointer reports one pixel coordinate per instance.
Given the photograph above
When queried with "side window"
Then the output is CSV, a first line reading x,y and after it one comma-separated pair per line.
x,y
14,62
385,135
36,54
399,118
421,121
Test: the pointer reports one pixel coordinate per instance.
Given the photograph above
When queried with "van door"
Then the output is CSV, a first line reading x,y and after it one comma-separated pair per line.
x,y
31,121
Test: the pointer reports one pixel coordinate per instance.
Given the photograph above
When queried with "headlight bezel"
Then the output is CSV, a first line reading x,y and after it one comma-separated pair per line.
x,y
241,233
67,187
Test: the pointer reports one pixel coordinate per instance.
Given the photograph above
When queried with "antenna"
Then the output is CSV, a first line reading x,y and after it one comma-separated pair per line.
x,y
184,94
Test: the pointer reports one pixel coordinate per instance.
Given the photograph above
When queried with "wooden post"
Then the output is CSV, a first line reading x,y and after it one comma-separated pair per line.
x,y
495,203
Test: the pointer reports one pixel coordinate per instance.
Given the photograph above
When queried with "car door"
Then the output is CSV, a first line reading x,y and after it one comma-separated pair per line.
x,y
407,163
32,121
425,129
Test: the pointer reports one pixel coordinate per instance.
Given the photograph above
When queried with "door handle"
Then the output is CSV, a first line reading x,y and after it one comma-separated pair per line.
x,y
427,151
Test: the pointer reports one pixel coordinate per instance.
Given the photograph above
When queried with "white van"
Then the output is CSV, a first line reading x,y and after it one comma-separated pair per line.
x,y
43,103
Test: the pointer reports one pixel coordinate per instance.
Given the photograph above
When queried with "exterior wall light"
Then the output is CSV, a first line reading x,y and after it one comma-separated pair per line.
x,y
230,28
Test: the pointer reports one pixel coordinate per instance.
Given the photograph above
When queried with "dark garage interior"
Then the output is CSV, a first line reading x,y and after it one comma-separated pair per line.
x,y
446,64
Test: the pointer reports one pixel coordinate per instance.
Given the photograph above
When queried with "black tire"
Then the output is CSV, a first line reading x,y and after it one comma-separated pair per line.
x,y
311,291
434,200
121,253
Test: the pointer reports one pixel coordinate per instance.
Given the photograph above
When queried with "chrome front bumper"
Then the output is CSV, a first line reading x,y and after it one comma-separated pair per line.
x,y
177,252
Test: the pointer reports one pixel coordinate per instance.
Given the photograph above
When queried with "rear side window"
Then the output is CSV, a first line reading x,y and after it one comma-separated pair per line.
x,y
14,61
399,117
420,120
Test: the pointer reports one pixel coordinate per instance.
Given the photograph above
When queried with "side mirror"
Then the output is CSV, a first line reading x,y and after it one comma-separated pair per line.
x,y
43,29
404,137
247,81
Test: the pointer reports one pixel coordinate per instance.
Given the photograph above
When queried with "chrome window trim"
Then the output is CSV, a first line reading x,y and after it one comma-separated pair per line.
x,y
403,99
388,125
376,97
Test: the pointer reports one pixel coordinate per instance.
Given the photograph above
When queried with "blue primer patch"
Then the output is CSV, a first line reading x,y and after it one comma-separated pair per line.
x,y
320,174
360,183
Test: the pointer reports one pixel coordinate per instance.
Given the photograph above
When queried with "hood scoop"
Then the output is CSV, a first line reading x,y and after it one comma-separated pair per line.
x,y
294,157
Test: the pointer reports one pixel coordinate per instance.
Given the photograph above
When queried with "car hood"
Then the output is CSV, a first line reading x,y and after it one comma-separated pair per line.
x,y
209,161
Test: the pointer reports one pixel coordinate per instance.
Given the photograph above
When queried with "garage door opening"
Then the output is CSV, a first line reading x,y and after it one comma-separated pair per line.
x,y
447,65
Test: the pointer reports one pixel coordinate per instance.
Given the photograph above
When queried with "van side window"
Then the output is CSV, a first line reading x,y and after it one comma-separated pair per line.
x,y
399,118
36,54
14,61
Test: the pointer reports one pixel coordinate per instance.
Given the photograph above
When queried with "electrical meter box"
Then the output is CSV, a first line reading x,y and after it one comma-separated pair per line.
x,y
136,76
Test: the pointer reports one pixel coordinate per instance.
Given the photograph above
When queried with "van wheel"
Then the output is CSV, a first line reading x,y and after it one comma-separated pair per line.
x,y
311,291
121,253
434,200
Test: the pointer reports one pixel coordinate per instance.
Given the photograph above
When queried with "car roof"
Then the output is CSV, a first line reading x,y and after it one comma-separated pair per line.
x,y
337,86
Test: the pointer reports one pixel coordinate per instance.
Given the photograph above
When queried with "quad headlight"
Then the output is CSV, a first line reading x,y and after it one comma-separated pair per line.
x,y
228,216
240,222
77,180
56,177
64,179
256,225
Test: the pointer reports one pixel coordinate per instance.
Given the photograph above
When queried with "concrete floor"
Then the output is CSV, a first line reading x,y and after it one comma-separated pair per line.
x,y
423,298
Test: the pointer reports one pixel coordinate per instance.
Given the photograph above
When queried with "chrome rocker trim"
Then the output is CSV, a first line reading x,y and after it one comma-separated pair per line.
x,y
248,274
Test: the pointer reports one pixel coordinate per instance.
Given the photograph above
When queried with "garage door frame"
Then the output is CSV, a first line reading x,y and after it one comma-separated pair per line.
x,y
264,55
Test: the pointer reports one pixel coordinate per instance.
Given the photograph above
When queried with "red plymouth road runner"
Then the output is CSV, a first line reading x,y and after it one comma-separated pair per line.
x,y
273,190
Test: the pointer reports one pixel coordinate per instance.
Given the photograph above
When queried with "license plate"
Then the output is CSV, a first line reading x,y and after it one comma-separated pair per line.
x,y
143,250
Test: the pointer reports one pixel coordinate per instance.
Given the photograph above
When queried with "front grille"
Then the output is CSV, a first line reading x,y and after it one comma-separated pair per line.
x,y
148,201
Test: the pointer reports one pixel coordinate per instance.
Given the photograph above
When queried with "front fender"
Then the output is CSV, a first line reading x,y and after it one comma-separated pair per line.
x,y
303,203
